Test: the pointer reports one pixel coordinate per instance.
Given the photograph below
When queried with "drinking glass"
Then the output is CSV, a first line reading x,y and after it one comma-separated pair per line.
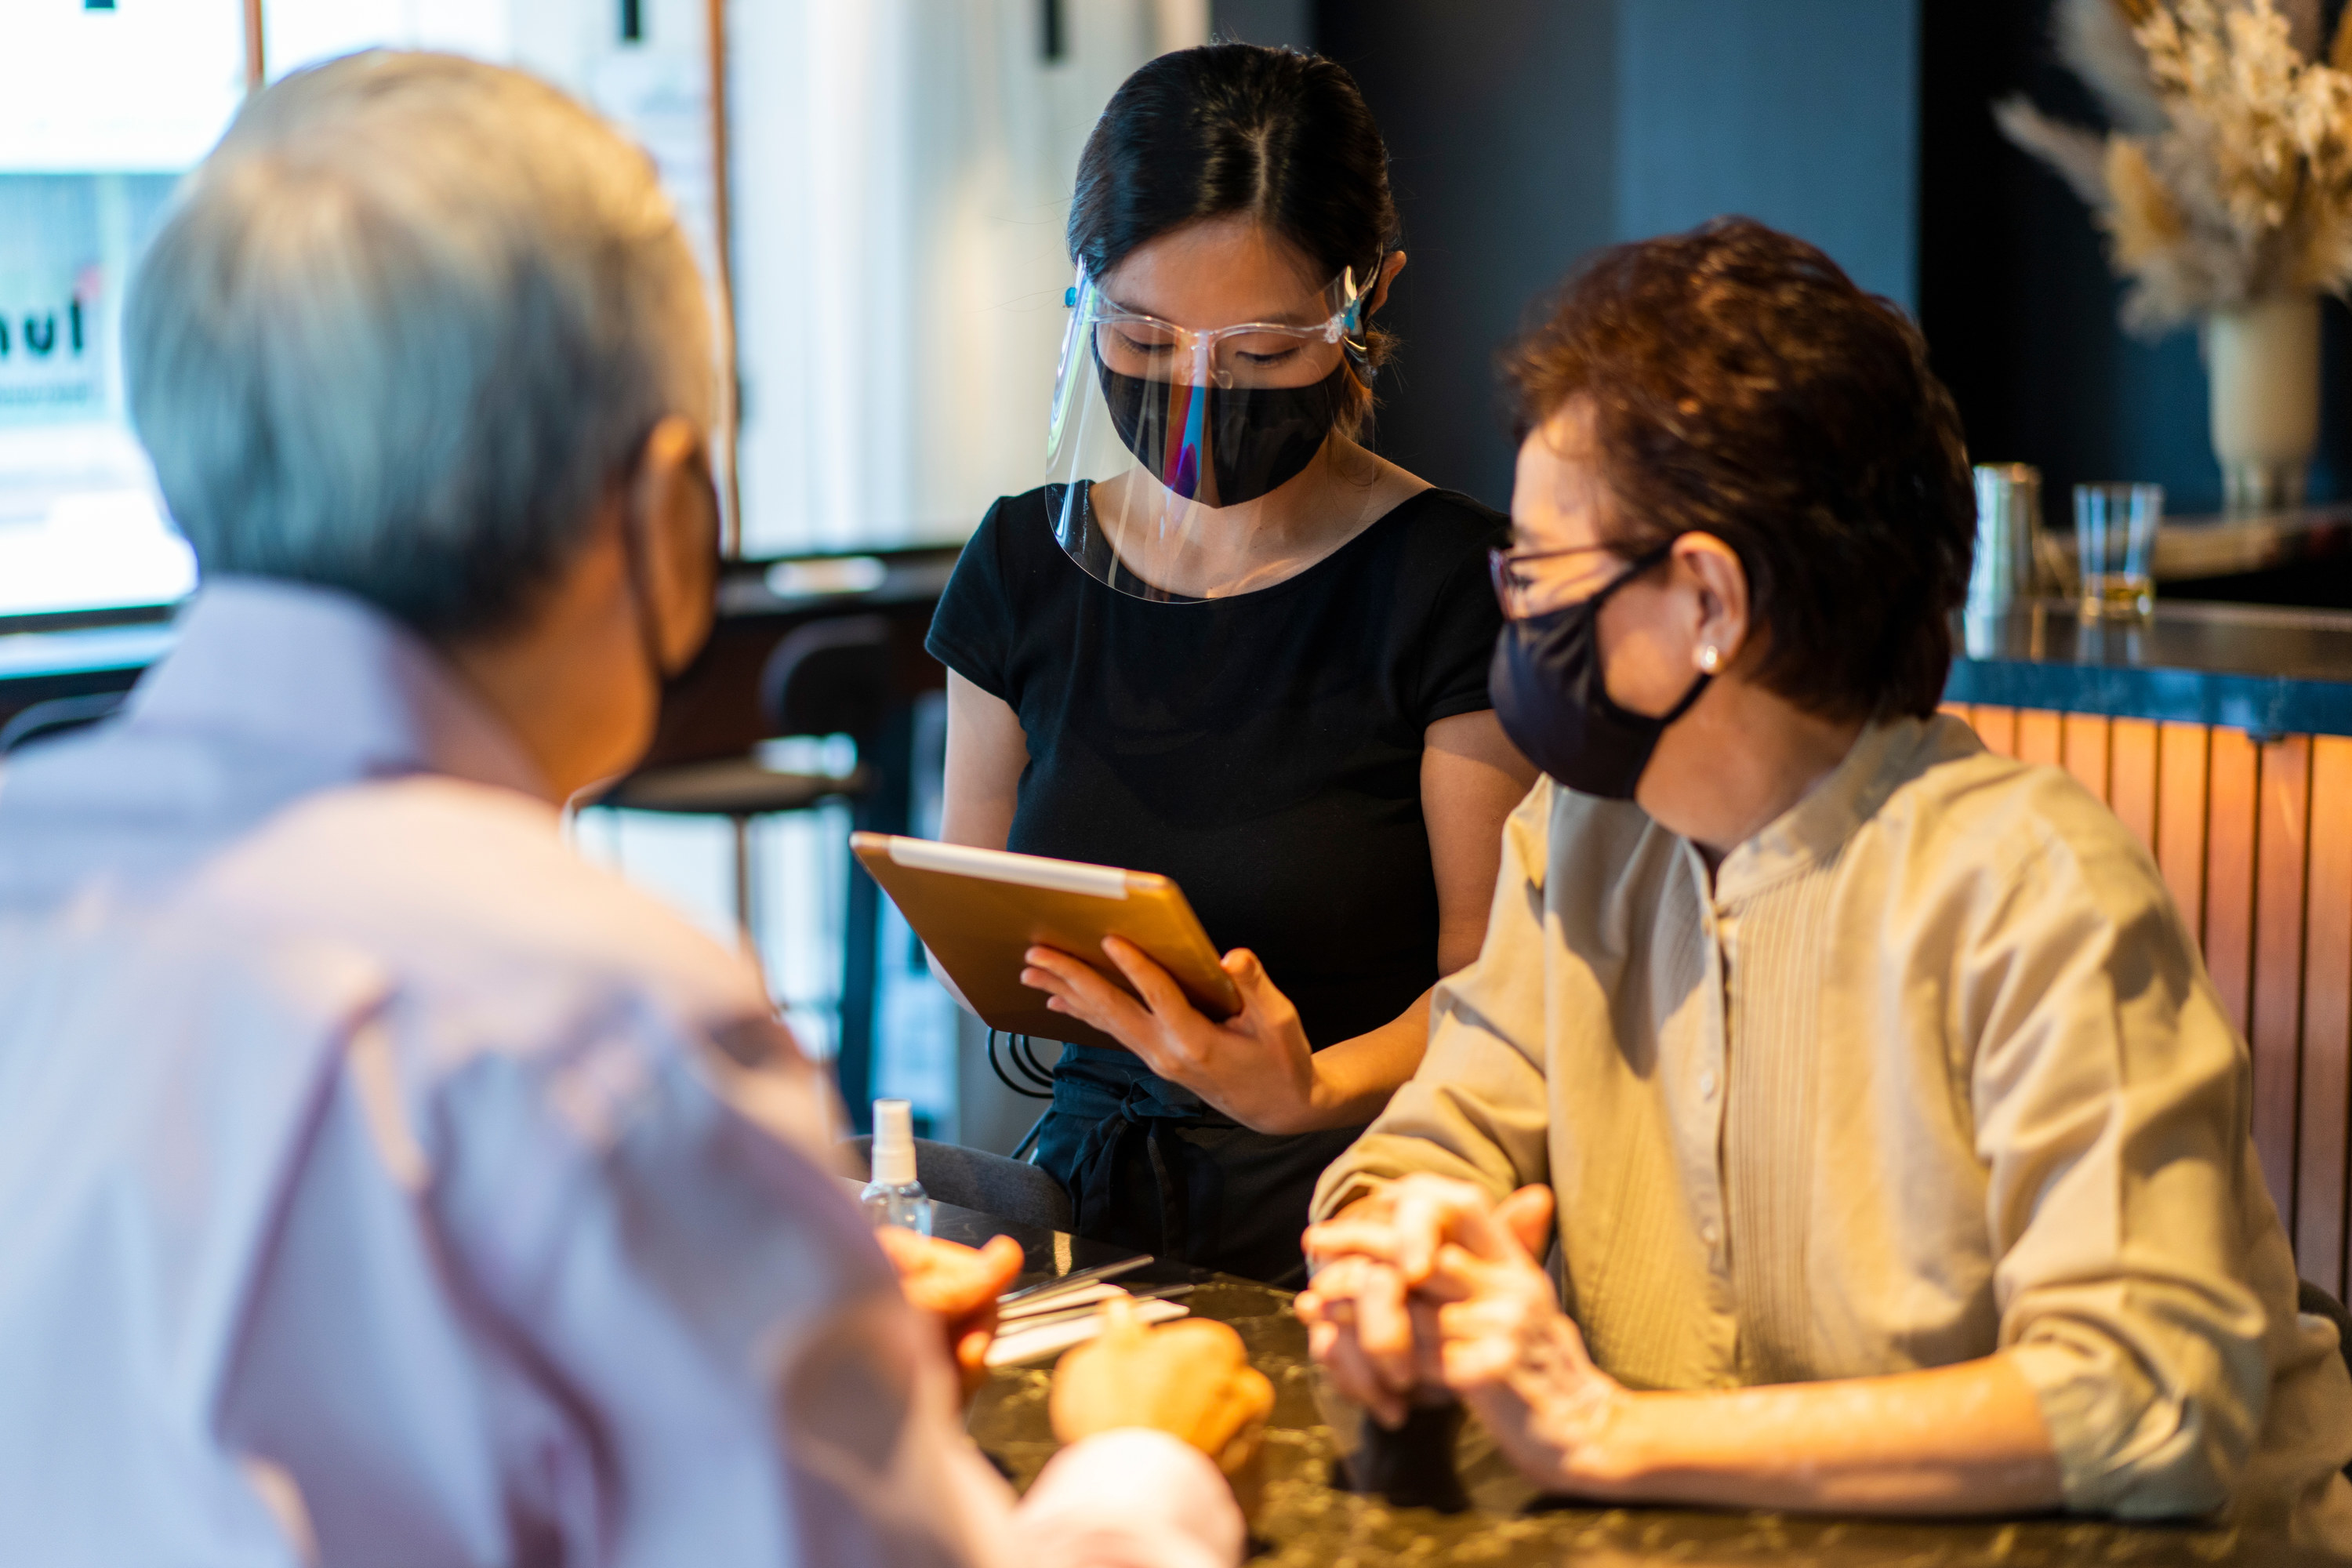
x,y
2115,542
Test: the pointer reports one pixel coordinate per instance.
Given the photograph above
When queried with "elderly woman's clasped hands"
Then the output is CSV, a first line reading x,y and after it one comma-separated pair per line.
x,y
1424,1286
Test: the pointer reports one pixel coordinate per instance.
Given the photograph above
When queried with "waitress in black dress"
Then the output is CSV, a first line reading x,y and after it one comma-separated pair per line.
x,y
1227,643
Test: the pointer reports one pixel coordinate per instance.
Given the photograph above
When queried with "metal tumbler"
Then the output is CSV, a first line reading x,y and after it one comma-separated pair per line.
x,y
2009,537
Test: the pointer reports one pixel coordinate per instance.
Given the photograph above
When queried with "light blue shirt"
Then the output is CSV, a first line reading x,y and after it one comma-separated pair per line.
x,y
380,1182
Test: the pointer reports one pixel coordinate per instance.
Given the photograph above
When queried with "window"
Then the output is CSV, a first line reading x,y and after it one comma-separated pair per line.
x,y
893,194
105,108
108,105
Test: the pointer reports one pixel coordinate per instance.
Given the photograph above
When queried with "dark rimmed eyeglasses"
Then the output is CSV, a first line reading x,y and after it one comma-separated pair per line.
x,y
1535,581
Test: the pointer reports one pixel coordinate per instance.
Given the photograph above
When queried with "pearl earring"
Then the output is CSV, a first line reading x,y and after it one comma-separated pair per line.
x,y
1710,656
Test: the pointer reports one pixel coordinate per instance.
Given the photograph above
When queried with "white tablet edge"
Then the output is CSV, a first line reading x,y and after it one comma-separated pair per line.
x,y
1003,866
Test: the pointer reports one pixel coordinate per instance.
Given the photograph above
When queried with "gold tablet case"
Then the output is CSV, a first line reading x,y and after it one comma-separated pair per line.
x,y
980,909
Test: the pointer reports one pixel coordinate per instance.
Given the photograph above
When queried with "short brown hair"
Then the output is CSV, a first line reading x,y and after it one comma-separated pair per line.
x,y
1743,386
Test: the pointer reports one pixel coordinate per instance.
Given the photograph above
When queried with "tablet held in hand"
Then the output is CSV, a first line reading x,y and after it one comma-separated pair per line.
x,y
980,909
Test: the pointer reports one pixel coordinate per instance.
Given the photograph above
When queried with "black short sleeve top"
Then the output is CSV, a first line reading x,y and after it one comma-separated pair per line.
x,y
1262,750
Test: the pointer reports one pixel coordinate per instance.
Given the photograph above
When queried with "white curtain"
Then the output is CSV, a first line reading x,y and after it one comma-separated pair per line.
x,y
902,169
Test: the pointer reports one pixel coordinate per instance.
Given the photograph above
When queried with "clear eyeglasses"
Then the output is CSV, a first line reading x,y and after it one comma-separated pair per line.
x,y
1249,353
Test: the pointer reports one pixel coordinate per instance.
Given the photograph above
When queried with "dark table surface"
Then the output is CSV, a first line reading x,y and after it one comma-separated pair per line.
x,y
2269,670
1306,1519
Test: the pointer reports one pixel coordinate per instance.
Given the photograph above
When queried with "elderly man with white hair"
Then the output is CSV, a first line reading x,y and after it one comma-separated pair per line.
x,y
378,1182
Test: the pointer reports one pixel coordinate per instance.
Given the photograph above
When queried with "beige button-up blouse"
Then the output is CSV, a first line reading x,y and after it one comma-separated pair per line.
x,y
1931,1071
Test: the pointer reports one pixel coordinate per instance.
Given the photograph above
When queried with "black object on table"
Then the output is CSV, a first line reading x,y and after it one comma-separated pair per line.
x,y
1485,1513
976,1179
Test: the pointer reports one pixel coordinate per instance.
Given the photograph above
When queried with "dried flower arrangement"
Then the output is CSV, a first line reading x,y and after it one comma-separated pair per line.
x,y
2227,178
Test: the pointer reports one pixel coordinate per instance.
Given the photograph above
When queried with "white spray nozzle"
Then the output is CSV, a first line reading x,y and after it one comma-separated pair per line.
x,y
894,1142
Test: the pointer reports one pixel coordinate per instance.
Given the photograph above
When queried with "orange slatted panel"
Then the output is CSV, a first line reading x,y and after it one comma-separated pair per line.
x,y
2131,776
2180,755
2274,1024
2084,749
1956,709
2326,1018
2041,737
2229,798
1998,729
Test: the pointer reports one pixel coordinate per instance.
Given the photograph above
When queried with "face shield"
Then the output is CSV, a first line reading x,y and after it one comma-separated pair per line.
x,y
1162,435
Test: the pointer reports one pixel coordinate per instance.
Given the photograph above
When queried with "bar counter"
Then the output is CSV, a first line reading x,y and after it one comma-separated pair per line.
x,y
2221,735
1498,1518
2268,671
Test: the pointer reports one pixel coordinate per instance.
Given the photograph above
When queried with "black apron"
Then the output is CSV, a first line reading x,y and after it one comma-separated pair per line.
x,y
1147,1166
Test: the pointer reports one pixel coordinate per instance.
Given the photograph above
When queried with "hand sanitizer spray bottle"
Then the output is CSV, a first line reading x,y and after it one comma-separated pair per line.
x,y
894,1196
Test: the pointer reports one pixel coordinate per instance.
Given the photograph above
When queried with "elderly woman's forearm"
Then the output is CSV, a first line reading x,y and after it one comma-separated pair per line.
x,y
1964,1439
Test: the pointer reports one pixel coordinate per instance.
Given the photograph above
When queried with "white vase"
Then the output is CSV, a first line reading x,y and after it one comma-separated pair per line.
x,y
2262,360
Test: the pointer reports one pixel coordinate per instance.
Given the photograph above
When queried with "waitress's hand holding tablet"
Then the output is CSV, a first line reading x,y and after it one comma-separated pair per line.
x,y
1066,951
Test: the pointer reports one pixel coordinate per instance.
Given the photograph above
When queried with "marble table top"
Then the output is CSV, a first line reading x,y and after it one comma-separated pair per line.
x,y
1477,1510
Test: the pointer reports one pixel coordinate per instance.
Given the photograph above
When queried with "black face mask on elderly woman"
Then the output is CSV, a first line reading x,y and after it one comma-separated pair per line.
x,y
1553,700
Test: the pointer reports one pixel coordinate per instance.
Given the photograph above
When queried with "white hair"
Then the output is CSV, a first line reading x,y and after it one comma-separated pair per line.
x,y
401,329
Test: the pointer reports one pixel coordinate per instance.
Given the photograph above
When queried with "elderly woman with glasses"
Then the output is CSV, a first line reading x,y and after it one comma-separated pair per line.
x,y
1896,1142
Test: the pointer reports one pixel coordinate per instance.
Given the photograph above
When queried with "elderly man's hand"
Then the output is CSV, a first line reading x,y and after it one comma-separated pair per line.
x,y
957,1286
1191,1379
1371,1257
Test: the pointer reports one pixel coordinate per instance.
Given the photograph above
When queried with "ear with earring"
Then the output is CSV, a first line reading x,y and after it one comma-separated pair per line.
x,y
1710,658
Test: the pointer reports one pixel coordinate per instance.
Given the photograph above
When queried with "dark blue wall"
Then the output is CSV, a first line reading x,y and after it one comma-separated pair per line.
x,y
1803,113
1501,123
1275,22
1527,132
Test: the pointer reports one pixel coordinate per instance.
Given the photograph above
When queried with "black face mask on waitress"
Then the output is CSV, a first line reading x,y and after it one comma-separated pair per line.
x,y
1259,437
1549,695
